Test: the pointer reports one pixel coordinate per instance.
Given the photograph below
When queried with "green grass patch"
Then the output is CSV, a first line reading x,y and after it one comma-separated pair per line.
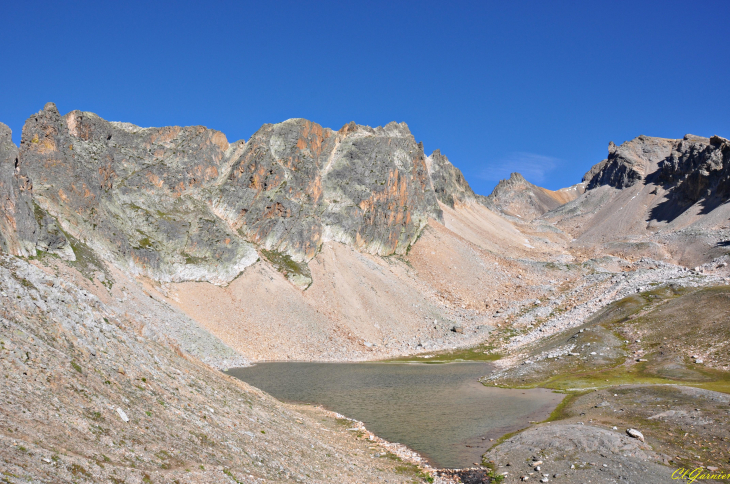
x,y
477,353
286,265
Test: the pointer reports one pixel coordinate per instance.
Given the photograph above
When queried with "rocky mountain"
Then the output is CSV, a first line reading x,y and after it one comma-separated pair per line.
x,y
181,204
663,198
448,182
519,198
137,260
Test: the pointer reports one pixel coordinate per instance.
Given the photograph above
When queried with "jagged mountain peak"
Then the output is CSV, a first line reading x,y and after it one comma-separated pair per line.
x,y
182,203
515,196
448,182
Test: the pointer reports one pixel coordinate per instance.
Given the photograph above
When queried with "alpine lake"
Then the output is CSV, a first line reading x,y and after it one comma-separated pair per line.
x,y
439,410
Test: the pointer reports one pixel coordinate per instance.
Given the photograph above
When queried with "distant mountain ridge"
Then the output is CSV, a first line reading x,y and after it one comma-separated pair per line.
x,y
184,204
665,198
520,198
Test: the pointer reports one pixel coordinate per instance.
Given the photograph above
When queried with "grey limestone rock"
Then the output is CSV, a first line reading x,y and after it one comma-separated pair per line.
x,y
132,194
693,168
18,228
628,163
296,185
182,203
448,182
698,168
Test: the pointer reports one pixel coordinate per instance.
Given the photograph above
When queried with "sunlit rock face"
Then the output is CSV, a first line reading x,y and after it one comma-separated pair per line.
x,y
297,185
182,203
133,195
448,182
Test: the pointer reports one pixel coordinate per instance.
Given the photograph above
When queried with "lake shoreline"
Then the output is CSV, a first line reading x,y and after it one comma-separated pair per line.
x,y
440,411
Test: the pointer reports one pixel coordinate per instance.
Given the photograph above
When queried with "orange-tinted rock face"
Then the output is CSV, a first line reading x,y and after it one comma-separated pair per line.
x,y
132,193
181,203
297,184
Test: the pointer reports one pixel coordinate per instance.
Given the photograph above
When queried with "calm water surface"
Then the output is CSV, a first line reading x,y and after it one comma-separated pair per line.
x,y
438,410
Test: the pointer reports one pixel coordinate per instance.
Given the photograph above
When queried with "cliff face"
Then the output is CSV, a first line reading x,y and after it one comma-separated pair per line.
x,y
698,169
133,194
182,204
18,229
449,184
296,185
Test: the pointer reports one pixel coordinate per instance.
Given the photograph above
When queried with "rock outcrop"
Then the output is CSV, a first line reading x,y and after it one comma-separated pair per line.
x,y
297,184
698,169
18,228
628,163
692,168
133,194
449,184
518,197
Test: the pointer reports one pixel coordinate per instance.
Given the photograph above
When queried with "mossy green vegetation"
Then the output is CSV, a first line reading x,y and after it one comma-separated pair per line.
x,y
286,265
645,338
476,353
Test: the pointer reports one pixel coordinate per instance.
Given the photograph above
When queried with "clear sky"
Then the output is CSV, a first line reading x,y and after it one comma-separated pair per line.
x,y
535,87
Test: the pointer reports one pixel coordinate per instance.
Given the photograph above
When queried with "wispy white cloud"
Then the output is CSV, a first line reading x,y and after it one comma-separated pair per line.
x,y
533,167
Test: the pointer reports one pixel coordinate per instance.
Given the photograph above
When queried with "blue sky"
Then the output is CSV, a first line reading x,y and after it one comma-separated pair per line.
x,y
535,87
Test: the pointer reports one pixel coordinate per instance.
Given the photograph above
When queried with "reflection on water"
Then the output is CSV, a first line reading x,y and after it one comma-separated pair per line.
x,y
438,410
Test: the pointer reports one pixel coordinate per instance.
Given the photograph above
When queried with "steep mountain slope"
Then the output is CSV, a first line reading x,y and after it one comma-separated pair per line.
x,y
653,196
88,395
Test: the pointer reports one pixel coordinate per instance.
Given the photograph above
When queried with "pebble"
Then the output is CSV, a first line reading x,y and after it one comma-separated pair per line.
x,y
122,415
635,434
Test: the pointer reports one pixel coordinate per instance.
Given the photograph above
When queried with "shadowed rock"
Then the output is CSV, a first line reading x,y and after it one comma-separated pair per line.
x,y
629,163
18,228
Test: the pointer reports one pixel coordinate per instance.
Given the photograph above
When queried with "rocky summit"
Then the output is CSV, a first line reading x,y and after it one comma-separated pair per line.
x,y
136,262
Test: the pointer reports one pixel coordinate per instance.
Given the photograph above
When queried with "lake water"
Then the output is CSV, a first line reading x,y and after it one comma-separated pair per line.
x,y
439,410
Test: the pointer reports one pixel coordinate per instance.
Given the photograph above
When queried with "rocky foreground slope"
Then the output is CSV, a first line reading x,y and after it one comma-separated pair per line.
x,y
140,258
92,395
